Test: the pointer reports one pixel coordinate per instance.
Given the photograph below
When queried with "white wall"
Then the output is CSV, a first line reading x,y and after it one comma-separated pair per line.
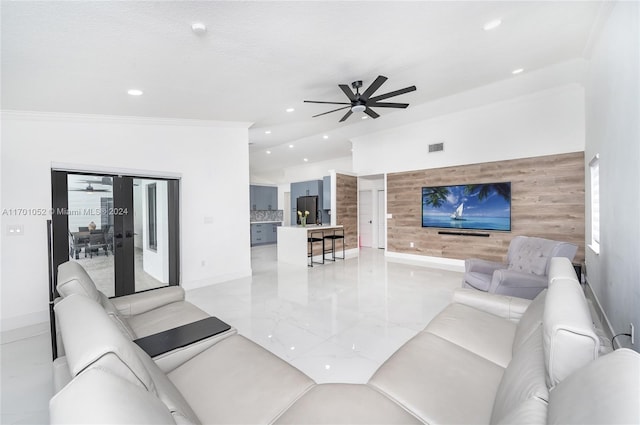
x,y
304,172
613,115
210,157
543,123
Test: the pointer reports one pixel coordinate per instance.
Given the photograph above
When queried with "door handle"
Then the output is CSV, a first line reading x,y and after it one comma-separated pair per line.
x,y
128,234
118,235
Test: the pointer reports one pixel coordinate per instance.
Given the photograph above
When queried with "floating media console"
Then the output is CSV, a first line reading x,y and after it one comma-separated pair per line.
x,y
449,232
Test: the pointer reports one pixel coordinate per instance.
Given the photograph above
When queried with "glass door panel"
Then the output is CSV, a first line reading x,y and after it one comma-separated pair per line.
x,y
151,230
90,227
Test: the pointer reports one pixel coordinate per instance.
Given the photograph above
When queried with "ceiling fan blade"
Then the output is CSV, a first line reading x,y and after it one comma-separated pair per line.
x,y
371,113
330,103
373,87
325,113
387,105
347,91
347,115
393,93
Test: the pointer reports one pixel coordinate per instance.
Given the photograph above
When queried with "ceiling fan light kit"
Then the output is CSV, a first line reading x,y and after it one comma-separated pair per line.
x,y
364,102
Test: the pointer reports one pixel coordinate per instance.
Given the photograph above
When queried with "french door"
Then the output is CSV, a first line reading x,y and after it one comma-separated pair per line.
x,y
122,229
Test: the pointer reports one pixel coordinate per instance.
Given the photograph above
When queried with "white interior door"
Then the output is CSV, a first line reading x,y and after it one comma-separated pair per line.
x,y
381,219
365,216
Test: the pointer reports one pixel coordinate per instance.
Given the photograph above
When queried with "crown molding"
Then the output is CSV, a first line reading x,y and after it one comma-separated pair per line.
x,y
117,119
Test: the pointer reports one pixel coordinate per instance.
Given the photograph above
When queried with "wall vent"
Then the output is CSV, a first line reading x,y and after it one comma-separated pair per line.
x,y
436,147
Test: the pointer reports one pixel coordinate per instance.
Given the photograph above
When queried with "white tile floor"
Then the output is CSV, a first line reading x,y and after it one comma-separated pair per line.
x,y
337,322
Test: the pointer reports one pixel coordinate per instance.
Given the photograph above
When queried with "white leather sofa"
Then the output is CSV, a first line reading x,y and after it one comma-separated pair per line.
x,y
484,359
136,316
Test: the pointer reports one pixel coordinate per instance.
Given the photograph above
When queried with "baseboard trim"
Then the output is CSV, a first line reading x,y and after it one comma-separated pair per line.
x,y
425,260
25,325
602,317
187,286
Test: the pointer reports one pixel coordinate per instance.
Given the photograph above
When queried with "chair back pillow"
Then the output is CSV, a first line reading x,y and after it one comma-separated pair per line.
x,y
91,339
569,338
73,279
530,321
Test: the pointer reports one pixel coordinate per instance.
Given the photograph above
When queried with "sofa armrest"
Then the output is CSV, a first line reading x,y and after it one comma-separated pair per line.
x,y
510,308
516,283
482,266
134,304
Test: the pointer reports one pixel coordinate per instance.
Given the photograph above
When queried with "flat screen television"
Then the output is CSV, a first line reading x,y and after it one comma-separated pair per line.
x,y
485,206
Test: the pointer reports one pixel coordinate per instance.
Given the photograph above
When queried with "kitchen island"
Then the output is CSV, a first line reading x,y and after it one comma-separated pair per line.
x,y
293,246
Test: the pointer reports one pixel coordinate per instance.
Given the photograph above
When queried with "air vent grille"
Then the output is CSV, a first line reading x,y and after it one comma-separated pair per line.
x,y
436,147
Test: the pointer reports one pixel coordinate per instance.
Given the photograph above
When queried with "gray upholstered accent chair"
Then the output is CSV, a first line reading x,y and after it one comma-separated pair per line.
x,y
525,273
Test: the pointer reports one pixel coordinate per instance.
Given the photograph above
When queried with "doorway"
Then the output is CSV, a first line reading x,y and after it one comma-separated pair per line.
x,y
122,229
365,218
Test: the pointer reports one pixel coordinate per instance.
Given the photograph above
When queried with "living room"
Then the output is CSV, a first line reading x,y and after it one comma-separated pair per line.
x,y
579,107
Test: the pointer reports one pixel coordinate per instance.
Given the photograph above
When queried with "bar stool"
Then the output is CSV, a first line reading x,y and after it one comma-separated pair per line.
x,y
337,234
310,240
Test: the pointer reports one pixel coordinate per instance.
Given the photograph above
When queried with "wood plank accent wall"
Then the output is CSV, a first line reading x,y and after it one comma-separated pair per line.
x,y
347,208
547,200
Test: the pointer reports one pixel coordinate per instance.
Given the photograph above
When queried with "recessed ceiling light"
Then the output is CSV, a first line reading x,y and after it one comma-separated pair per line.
x,y
517,71
268,152
290,109
267,132
306,160
365,117
492,25
325,137
199,28
290,146
135,92
327,366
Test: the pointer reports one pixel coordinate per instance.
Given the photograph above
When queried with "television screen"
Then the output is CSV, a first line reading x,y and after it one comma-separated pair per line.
x,y
484,206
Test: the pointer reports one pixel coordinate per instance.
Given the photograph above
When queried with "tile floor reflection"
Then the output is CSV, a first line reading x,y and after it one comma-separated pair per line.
x,y
337,322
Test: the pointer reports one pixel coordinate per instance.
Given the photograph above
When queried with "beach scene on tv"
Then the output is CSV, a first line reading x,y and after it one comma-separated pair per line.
x,y
484,206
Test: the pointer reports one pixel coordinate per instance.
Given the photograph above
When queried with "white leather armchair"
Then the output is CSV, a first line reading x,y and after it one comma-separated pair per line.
x,y
525,273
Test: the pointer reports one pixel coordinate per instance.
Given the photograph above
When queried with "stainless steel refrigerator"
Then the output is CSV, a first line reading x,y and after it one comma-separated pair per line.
x,y
307,203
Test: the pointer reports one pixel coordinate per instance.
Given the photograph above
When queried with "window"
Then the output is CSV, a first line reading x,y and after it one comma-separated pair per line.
x,y
594,171
152,217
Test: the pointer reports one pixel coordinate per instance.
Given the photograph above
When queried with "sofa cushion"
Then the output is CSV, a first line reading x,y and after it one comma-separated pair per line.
x,y
166,317
345,404
440,382
484,334
237,381
73,279
605,391
530,320
91,339
569,339
524,379
532,256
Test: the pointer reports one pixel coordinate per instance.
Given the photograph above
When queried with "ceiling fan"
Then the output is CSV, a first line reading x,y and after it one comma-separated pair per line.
x,y
106,181
363,102
90,189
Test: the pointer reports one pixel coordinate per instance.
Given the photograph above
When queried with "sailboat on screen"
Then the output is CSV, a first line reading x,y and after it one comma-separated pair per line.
x,y
457,214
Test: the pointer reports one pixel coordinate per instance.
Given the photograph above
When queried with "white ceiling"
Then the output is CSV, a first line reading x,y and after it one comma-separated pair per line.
x,y
258,58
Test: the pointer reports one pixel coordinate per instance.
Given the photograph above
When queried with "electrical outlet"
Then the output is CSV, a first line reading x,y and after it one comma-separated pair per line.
x,y
411,245
632,332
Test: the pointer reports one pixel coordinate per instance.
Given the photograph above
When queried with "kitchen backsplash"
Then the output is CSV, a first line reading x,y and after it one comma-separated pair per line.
x,y
272,215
